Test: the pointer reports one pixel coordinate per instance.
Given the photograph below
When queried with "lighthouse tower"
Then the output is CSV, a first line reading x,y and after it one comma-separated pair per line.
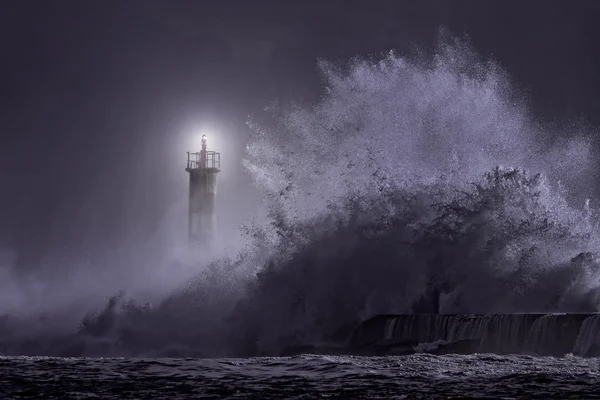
x,y
203,168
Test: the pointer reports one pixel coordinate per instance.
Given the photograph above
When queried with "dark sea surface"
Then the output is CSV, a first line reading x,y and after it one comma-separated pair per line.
x,y
302,377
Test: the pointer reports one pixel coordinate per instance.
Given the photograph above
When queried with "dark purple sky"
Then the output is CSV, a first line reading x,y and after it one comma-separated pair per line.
x,y
88,87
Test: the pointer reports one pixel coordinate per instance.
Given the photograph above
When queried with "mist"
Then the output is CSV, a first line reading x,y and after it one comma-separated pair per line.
x,y
395,145
126,228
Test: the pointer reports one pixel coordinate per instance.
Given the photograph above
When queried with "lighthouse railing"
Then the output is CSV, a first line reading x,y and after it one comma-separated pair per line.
x,y
212,160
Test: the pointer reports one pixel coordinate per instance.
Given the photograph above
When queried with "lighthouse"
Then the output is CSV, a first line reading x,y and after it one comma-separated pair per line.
x,y
203,168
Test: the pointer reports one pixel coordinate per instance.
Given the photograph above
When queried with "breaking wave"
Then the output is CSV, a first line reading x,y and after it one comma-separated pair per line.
x,y
415,185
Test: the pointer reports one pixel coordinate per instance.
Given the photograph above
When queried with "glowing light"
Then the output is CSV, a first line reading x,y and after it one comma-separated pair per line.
x,y
199,140
209,138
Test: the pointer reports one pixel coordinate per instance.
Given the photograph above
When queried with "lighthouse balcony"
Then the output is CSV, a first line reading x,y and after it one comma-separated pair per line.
x,y
203,160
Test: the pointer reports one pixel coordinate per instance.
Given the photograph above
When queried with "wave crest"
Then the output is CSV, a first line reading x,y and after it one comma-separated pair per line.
x,y
386,196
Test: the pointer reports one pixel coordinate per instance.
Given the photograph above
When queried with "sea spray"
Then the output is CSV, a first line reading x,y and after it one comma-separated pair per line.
x,y
414,185
399,121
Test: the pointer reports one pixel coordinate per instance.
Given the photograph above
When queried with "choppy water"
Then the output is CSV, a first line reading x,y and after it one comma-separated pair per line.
x,y
302,377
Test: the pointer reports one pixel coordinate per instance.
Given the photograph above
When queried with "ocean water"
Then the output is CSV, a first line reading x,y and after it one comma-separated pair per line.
x,y
302,377
415,185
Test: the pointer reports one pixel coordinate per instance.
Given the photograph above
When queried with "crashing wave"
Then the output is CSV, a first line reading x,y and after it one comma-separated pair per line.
x,y
385,197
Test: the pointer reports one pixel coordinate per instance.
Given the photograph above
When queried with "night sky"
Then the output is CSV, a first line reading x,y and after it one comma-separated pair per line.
x,y
98,97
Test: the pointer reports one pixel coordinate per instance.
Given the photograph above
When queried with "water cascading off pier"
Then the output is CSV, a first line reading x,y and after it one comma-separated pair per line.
x,y
532,334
